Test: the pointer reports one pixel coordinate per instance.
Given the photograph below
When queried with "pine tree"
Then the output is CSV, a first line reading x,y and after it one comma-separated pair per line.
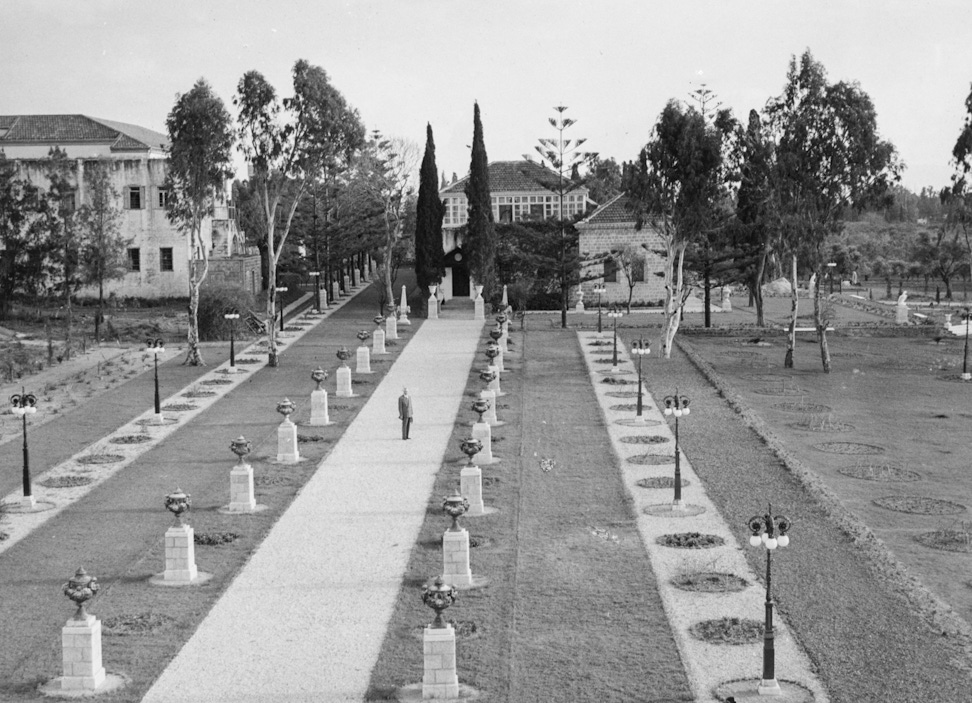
x,y
428,221
480,239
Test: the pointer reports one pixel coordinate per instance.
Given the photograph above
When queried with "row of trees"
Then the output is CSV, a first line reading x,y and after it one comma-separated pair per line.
x,y
52,244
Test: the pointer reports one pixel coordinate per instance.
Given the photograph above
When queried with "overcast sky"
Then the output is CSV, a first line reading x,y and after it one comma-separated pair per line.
x,y
403,63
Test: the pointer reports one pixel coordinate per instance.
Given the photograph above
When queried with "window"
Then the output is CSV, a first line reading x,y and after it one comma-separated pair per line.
x,y
163,197
165,259
68,203
536,211
133,198
134,260
505,213
610,271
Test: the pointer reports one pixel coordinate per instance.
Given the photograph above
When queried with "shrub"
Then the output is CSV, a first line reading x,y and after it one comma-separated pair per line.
x,y
216,302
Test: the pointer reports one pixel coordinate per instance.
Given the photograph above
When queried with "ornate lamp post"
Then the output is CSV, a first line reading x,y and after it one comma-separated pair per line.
x,y
232,317
600,290
677,405
641,348
317,289
966,376
80,589
439,596
281,289
615,313
156,347
24,404
770,531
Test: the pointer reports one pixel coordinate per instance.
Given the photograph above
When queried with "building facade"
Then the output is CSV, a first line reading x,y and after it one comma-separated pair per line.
x,y
158,254
612,227
521,191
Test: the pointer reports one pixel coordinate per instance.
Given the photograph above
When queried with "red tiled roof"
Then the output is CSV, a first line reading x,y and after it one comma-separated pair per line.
x,y
508,176
614,210
79,128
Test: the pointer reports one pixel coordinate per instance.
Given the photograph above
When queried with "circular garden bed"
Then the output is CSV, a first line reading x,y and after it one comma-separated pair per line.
x,y
68,481
199,394
131,439
134,624
651,459
690,540
100,459
312,438
249,360
180,407
820,424
710,582
949,540
849,448
728,630
214,539
264,480
880,472
919,505
793,406
660,482
216,382
622,394
644,439
614,381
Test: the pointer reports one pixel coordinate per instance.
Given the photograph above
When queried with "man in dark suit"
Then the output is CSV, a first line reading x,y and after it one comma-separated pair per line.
x,y
405,412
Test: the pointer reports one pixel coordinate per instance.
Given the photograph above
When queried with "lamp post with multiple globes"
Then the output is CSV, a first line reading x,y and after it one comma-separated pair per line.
x,y
677,405
232,317
641,349
600,290
156,347
25,404
770,531
615,313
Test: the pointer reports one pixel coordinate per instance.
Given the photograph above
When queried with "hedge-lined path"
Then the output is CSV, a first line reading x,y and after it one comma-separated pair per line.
x,y
116,530
304,619
865,640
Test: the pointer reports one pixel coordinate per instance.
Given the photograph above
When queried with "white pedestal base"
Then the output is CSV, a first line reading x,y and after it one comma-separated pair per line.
x,y
403,309
287,452
347,284
439,679
391,327
81,655
319,416
455,558
484,434
242,499
490,415
769,688
494,385
364,360
471,488
180,555
901,314
433,308
479,306
344,382
378,342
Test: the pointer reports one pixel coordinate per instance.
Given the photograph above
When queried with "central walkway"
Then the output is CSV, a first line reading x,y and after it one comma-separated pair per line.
x,y
305,618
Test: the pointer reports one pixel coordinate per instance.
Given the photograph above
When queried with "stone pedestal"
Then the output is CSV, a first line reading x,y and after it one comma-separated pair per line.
x,y
180,555
242,499
433,308
726,300
347,284
455,558
494,385
28,502
81,654
335,291
490,415
391,327
471,488
480,308
378,342
354,277
364,360
287,452
158,419
403,308
319,416
579,306
439,679
344,382
499,359
482,432
323,294
901,314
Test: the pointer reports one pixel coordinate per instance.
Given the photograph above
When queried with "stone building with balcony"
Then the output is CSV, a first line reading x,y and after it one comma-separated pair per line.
x,y
158,254
521,191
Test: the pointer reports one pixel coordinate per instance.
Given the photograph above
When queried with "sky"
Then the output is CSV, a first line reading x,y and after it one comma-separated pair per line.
x,y
405,63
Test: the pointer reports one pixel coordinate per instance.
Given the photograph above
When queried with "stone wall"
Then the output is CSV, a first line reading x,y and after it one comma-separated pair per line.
x,y
597,239
241,271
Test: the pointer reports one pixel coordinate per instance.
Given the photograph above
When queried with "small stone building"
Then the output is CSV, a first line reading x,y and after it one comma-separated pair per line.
x,y
608,228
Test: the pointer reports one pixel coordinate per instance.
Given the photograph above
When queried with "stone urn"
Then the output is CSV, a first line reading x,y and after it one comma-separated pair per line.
x,y
378,320
80,589
439,595
480,405
363,335
242,447
501,319
286,407
343,354
178,503
319,375
454,506
487,376
492,351
472,446
495,334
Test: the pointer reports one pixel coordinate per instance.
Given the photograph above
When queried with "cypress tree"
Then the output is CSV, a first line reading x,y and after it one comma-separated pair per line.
x,y
480,239
429,268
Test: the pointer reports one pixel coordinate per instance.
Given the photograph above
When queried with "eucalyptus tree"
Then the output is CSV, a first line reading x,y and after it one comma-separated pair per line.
x,y
829,158
957,198
288,144
198,167
676,185
21,253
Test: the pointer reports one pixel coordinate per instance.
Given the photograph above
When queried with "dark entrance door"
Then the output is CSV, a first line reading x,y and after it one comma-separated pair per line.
x,y
460,273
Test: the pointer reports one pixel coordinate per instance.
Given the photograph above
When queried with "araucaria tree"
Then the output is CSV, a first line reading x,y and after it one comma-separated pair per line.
x,y
829,158
676,184
103,249
288,144
429,267
199,164
479,242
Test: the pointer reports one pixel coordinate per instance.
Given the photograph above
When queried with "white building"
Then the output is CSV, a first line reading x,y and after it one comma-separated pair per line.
x,y
158,256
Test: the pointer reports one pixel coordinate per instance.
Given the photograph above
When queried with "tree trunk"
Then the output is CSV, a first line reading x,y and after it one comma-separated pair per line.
x,y
674,294
757,290
794,308
948,288
101,310
270,323
193,354
706,298
821,328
